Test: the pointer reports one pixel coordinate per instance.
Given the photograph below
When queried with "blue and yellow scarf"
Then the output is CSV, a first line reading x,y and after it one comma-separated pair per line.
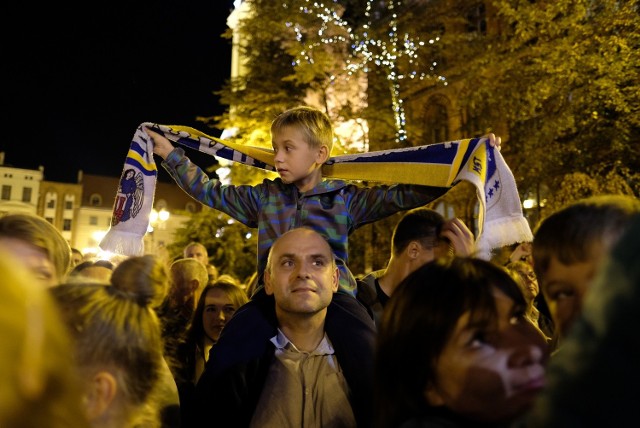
x,y
500,218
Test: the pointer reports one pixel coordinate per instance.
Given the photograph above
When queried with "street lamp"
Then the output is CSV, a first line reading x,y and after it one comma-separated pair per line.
x,y
157,219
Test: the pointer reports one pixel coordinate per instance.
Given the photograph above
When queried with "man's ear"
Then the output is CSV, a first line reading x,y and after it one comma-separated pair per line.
x,y
194,284
336,279
323,154
267,283
413,250
102,391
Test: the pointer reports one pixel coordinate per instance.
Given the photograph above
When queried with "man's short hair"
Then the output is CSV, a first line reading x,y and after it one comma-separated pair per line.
x,y
420,224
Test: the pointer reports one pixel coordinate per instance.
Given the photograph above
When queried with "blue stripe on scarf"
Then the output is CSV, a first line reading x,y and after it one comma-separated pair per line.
x,y
420,154
143,170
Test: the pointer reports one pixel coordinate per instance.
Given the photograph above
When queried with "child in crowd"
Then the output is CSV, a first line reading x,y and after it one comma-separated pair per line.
x,y
302,138
568,247
593,381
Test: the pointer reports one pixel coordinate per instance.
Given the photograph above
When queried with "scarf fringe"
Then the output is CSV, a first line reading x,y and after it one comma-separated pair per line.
x,y
119,242
501,232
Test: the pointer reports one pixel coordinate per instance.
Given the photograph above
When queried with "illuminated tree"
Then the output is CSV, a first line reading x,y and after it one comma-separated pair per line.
x,y
231,245
565,77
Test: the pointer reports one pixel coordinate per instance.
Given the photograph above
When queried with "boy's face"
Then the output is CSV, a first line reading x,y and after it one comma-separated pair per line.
x,y
564,287
295,160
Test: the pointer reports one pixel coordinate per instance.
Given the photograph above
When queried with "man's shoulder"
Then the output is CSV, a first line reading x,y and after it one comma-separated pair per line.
x,y
370,278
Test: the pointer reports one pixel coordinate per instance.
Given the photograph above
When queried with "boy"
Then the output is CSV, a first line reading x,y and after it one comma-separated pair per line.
x,y
568,247
302,139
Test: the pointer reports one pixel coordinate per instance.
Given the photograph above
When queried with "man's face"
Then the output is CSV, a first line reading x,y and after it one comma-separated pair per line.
x,y
302,276
198,252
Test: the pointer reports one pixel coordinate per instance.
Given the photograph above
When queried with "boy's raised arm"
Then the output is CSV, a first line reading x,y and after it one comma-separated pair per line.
x,y
161,145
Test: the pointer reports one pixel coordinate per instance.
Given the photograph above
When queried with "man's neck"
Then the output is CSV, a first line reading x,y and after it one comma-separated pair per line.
x,y
305,331
392,276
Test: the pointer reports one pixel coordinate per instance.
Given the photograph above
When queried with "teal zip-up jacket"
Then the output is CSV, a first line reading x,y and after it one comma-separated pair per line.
x,y
333,208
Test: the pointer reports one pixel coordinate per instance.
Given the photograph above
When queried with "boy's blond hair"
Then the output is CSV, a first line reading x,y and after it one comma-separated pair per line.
x,y
315,124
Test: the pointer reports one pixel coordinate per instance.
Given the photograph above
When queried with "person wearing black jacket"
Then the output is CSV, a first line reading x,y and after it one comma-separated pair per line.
x,y
305,357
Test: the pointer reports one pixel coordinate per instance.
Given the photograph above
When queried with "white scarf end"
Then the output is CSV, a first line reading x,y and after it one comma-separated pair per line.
x,y
126,243
501,232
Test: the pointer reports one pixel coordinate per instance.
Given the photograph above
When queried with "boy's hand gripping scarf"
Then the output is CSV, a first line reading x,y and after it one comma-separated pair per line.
x,y
500,218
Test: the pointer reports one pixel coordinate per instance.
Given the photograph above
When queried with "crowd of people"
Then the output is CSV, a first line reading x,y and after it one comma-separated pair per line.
x,y
537,336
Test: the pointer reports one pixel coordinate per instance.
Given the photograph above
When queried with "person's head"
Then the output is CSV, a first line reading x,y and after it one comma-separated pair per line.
x,y
76,257
417,235
522,272
568,247
188,279
39,387
302,138
454,335
217,304
118,345
213,273
97,270
196,251
301,273
147,269
526,278
36,243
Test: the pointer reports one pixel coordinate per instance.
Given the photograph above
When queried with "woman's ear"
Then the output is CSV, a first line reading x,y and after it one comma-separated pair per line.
x,y
102,391
433,396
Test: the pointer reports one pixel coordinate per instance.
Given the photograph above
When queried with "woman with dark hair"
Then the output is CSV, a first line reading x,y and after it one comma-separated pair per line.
x,y
456,349
216,305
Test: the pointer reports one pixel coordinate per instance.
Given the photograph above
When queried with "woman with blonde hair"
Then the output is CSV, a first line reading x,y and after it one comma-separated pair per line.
x,y
118,346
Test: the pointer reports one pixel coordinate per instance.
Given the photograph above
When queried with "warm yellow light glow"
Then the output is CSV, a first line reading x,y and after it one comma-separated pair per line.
x,y
163,215
98,235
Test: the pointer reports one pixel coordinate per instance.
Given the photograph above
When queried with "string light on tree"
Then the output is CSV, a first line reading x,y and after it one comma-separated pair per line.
x,y
364,48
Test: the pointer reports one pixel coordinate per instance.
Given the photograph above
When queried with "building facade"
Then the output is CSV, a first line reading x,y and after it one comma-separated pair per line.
x,y
82,211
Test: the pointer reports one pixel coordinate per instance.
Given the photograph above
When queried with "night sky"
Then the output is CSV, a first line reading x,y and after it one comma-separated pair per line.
x,y
79,81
